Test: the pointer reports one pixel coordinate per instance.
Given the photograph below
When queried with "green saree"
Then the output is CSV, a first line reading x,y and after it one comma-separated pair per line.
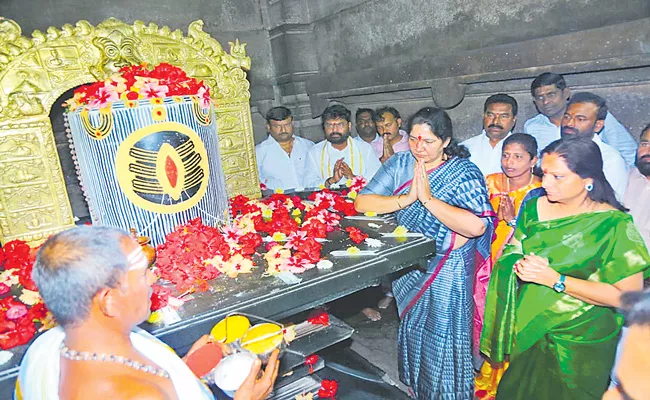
x,y
559,347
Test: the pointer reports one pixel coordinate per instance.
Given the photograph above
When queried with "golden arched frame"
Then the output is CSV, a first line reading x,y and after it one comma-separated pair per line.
x,y
35,72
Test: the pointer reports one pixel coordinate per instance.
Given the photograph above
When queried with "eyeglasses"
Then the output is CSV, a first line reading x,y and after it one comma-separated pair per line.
x,y
339,125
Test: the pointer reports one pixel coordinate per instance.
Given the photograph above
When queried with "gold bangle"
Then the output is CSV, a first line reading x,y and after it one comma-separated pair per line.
x,y
398,204
428,200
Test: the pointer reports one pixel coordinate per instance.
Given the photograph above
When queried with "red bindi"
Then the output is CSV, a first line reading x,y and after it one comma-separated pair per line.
x,y
419,138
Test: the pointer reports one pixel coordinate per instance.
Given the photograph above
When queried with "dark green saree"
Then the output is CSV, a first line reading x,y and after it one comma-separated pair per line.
x,y
560,347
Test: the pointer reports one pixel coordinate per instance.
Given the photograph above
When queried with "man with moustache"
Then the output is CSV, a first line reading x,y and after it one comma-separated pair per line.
x,y
637,195
338,158
96,282
392,139
364,120
499,117
551,96
281,157
583,118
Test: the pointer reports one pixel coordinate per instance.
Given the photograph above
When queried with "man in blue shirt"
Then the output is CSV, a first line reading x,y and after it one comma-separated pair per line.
x,y
551,96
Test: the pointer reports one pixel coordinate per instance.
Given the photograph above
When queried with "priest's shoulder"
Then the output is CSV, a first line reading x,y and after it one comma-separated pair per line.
x,y
119,386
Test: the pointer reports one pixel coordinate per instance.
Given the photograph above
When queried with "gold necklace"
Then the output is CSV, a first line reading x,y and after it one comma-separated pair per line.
x,y
508,183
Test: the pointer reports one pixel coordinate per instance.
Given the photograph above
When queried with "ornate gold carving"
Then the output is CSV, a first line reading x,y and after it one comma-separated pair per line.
x,y
36,71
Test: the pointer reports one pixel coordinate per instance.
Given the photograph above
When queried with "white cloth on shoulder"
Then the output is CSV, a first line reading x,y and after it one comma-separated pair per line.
x,y
38,378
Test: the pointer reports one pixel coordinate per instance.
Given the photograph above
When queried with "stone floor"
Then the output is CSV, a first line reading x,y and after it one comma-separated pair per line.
x,y
376,341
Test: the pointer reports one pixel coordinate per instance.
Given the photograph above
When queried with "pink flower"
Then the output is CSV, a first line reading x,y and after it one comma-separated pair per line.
x,y
296,265
151,90
296,240
232,234
105,95
328,218
358,183
324,200
204,96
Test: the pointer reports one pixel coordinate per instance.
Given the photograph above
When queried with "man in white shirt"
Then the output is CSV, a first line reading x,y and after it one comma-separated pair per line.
x,y
584,117
338,158
637,194
364,120
281,157
499,117
551,96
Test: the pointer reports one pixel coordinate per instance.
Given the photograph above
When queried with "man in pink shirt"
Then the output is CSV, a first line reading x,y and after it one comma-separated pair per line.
x,y
392,138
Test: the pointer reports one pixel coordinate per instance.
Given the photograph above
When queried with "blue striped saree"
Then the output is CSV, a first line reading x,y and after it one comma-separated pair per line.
x,y
436,303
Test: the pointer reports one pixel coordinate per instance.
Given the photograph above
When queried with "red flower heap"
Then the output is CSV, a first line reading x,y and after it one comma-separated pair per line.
x,y
16,318
181,258
195,253
136,82
19,258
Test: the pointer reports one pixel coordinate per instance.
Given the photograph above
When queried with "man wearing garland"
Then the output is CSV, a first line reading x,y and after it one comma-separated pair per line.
x,y
281,157
96,283
338,157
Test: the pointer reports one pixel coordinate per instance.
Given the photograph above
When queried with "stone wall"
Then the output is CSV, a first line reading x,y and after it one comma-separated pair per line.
x,y
405,53
455,53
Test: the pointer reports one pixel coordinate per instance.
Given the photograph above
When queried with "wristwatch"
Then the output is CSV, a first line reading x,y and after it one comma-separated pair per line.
x,y
512,223
559,285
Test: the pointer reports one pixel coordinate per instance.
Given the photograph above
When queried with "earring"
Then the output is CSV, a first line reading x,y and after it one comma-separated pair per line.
x,y
589,187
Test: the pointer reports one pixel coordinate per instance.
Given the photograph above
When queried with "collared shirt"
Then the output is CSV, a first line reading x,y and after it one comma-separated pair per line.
x,y
637,199
613,133
486,157
401,145
359,156
276,168
614,167
359,138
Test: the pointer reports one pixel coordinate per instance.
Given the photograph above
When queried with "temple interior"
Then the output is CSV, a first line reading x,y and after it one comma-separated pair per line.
x,y
408,54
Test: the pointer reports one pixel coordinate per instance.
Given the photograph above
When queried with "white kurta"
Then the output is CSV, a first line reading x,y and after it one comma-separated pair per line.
x,y
279,170
321,158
